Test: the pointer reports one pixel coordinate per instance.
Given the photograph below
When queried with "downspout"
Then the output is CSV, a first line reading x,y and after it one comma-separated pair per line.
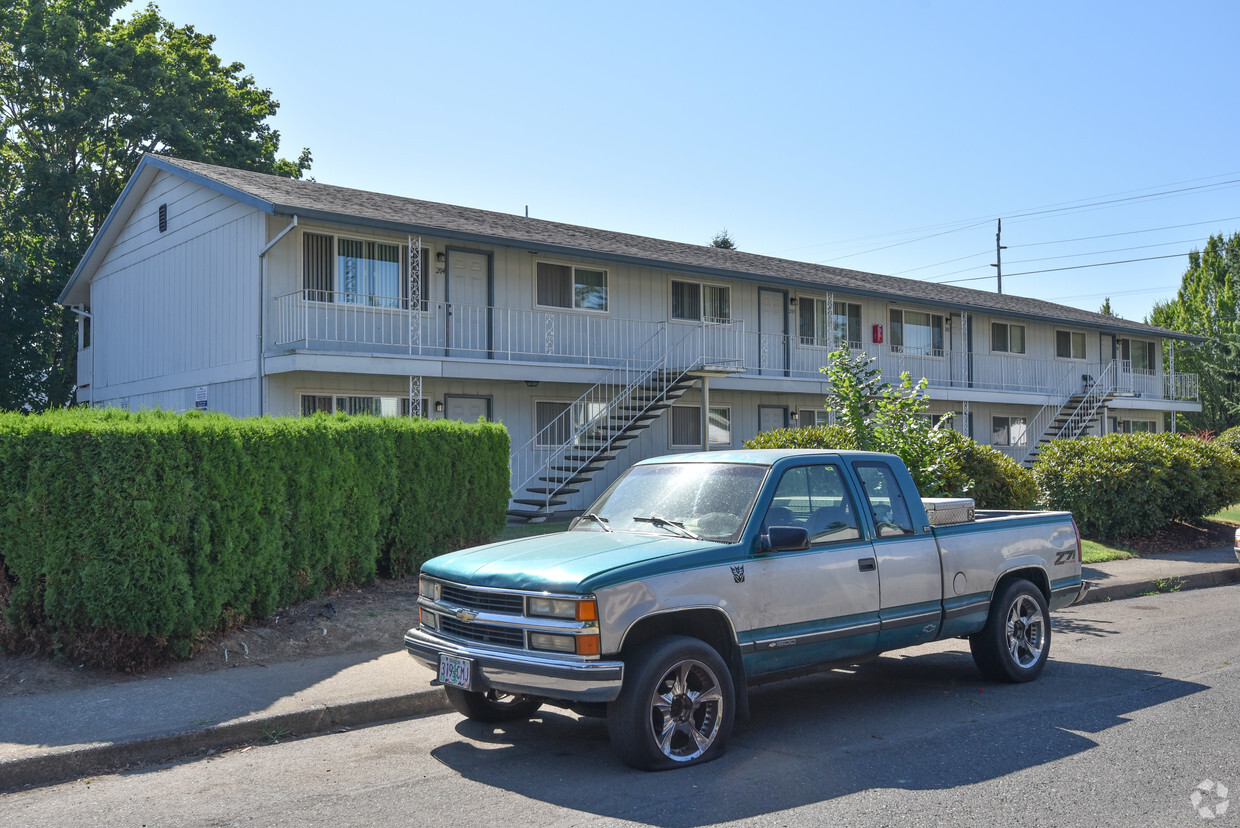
x,y
262,293
88,315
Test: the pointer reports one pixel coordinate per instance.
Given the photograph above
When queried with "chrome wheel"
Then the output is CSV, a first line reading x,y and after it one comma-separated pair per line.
x,y
1025,632
686,711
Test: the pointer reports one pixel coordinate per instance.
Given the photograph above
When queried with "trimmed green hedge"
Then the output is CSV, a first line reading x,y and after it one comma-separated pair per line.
x,y
1125,485
997,481
1231,438
124,537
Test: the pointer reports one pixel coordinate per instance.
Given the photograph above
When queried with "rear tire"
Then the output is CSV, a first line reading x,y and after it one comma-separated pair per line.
x,y
676,707
1016,641
492,706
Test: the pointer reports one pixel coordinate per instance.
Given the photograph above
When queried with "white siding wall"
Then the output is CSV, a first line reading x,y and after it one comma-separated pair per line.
x,y
177,309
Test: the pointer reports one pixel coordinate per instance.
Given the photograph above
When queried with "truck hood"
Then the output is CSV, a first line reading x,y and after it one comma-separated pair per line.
x,y
569,562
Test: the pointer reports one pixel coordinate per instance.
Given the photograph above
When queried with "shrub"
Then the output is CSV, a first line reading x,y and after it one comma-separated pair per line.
x,y
1124,485
990,477
1230,438
126,537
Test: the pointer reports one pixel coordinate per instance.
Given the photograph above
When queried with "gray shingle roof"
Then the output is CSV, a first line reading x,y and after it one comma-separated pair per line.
x,y
310,199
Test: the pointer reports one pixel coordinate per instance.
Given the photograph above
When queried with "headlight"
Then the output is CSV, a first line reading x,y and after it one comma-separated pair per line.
x,y
429,589
553,608
565,608
553,643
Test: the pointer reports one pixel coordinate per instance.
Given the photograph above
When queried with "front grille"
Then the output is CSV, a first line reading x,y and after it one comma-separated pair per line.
x,y
498,602
482,633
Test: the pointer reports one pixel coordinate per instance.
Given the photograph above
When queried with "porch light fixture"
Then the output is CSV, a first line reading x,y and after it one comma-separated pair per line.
x,y
531,383
792,416
792,302
438,406
439,257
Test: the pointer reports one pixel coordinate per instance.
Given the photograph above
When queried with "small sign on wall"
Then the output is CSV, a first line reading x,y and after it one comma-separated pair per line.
x,y
200,398
124,403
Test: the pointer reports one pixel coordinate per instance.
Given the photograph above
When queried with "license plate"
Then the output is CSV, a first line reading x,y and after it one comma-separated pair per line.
x,y
455,671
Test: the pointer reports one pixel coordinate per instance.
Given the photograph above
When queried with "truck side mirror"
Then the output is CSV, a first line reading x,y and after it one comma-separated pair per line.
x,y
784,539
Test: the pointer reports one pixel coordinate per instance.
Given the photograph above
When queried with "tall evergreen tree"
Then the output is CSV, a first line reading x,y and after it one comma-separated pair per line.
x,y
82,97
1207,305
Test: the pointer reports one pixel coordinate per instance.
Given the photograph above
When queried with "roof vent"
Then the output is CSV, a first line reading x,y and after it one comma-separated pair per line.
x,y
163,218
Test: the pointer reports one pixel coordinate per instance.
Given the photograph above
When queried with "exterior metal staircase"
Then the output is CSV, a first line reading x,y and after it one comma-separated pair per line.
x,y
1068,418
590,433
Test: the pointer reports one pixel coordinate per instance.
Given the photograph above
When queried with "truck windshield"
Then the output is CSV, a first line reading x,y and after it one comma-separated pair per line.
x,y
705,500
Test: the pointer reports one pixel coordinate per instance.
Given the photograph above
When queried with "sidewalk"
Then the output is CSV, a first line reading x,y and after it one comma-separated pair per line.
x,y
56,736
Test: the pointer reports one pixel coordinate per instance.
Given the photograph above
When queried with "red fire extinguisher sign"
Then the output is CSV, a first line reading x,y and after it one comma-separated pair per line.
x,y
878,334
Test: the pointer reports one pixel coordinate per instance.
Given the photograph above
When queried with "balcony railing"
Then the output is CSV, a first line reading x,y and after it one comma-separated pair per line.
x,y
355,323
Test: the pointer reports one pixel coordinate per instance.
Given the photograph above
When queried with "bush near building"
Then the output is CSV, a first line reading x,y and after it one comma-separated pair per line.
x,y
125,537
990,477
1127,485
1230,438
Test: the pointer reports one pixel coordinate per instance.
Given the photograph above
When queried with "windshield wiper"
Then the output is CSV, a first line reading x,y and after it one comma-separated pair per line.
x,y
677,526
601,521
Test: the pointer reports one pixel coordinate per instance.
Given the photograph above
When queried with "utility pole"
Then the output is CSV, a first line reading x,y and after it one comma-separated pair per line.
x,y
998,265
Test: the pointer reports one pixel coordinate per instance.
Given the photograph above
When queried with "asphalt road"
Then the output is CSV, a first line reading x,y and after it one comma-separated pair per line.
x,y
1137,708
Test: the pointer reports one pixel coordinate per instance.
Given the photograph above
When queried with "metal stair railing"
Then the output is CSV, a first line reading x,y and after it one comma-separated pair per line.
x,y
547,453
1093,398
1046,415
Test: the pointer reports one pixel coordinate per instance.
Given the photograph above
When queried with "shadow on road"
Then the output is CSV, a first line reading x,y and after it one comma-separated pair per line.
x,y
919,722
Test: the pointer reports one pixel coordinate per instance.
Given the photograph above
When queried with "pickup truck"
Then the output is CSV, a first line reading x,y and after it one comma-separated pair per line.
x,y
696,576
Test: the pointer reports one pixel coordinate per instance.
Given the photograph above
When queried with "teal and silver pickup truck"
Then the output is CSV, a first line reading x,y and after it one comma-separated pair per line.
x,y
695,576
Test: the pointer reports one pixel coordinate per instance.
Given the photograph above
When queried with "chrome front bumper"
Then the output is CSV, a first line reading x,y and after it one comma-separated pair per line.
x,y
525,673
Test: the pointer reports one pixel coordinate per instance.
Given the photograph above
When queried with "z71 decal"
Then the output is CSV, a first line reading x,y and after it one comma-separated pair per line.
x,y
1067,556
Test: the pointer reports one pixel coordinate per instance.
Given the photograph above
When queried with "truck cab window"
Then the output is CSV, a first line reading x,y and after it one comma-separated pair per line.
x,y
814,497
886,500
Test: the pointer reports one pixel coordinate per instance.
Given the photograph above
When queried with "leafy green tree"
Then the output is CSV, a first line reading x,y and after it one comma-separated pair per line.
x,y
1207,305
724,240
879,417
1105,310
82,97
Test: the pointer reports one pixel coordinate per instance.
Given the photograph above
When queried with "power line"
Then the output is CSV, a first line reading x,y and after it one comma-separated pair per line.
x,y
898,244
1100,252
1127,233
949,261
1062,206
1073,267
1113,294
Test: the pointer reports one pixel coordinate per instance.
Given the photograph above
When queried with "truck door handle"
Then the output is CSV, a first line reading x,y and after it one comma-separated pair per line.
x,y
867,564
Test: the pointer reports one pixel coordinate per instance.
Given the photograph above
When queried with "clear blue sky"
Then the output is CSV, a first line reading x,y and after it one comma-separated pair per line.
x,y
823,132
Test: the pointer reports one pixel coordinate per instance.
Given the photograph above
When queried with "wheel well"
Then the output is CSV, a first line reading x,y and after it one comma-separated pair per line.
x,y
708,625
1031,574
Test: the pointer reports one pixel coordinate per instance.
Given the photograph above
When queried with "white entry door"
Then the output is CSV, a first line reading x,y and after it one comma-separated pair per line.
x,y
771,315
468,317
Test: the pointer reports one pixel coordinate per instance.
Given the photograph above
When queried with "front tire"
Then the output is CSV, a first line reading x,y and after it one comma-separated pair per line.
x,y
1016,641
491,706
676,707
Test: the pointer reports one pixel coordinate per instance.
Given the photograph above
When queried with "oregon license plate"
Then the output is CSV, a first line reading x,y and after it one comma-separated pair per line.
x,y
455,671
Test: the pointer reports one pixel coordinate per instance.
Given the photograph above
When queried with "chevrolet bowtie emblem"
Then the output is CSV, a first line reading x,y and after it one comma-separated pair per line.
x,y
465,615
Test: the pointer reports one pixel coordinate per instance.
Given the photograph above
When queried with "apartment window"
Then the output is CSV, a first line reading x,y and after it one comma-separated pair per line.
x,y
359,272
687,426
1137,427
847,323
1008,431
812,322
916,332
807,417
694,301
1070,345
565,286
377,406
1142,355
1006,338
554,427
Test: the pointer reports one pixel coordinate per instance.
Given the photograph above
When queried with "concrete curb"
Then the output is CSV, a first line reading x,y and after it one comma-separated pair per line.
x,y
84,760
1183,583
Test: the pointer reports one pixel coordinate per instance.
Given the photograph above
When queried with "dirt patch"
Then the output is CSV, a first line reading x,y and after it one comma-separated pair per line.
x,y
370,619
1180,536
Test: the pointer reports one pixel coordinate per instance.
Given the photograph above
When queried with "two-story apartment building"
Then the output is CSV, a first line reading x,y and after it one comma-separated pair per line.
x,y
251,294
